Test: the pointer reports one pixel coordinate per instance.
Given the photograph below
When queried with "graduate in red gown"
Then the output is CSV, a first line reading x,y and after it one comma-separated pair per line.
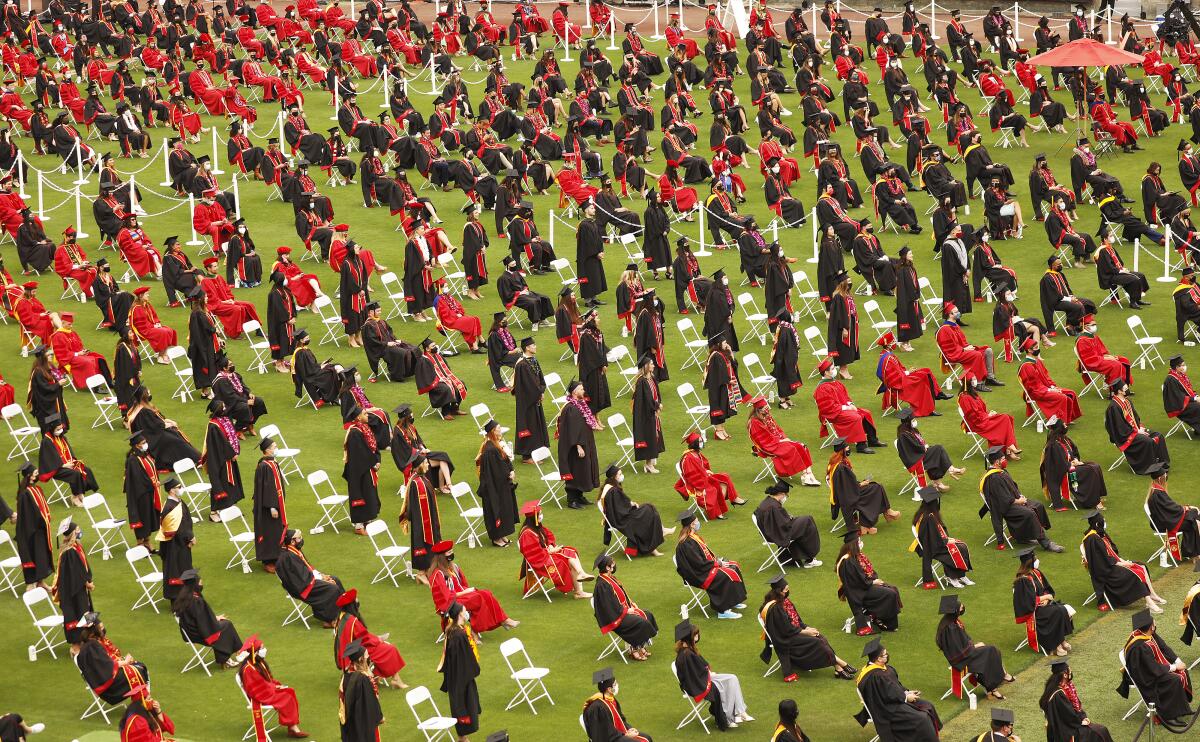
x,y
449,585
1041,390
73,358
232,312
834,407
711,490
144,719
547,559
351,628
787,456
916,387
71,262
145,323
263,689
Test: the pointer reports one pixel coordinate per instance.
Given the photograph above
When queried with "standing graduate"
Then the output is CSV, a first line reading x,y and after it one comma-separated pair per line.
x,y
1181,523
142,494
529,386
722,690
359,712
1047,620
204,342
497,485
1140,445
1066,721
360,468
475,244
797,645
1117,582
966,656
355,293
718,311
874,604
270,508
910,313
419,514
893,707
785,359
434,377
459,667
842,327
576,434
797,535
281,321
928,463
699,567
1160,675
603,720
933,542
647,417
418,274
382,656
220,459
200,625
592,361
639,523
589,257
303,582
648,333
73,583
127,368
35,546
175,537
1065,477
46,384
56,460
725,392
616,612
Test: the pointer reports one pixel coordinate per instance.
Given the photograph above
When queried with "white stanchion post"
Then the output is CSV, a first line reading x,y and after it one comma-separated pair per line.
x,y
682,25
134,205
278,124
612,33
41,200
552,227
566,42
775,230
1166,276
1109,27
702,252
353,12
812,219
432,78
437,7
195,241
1137,254
657,36
237,201
337,104
1093,21
166,155
79,234
216,160
1017,21
79,179
387,88
932,19
587,13
813,24
22,175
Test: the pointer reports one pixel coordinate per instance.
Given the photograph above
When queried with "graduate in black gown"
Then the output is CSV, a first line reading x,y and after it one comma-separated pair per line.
x,y
842,327
355,293
983,661
200,625
1140,445
797,535
1179,398
381,344
46,390
175,537
1118,582
1159,674
406,442
270,507
73,582
109,673
281,321
592,361
220,460
359,712
497,486
699,567
420,515
797,645
1066,720
167,442
434,377
788,728
459,667
143,499
639,523
320,380
929,463
933,543
861,502
361,468
1181,523
302,581
1067,477
648,338
35,546
874,604
127,369
648,440
204,342
529,386
722,690
514,292
241,404
721,381
616,612
1047,620
718,311
898,713
603,720
1027,520
589,256
57,460
576,435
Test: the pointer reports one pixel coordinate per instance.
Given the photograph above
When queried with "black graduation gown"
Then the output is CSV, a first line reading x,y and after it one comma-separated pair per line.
x,y
300,582
401,359
909,313
176,552
528,387
861,503
71,591
497,493
281,309
1051,621
593,365
719,377
718,315
269,492
355,294
1086,480
695,680
1065,724
141,494
1141,449
655,244
934,543
102,674
459,668
1115,586
418,285
581,474
237,402
221,465
308,375
537,306
912,448
612,608
796,651
362,478
843,316
1180,402
831,260
127,374
443,395
785,360
475,243
895,719
960,651
32,534
647,421
869,603
1168,515
80,479
204,345
796,533
698,567
359,713
641,526
46,399
1027,523
202,626
603,721
1154,679
167,445
648,338
424,520
589,243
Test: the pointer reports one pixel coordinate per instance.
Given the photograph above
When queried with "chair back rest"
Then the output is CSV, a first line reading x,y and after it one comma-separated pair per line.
x,y
870,306
389,278
750,359
376,527
92,502
540,454
247,327
684,389
459,491
616,420
136,554
270,431
617,353
184,465
684,325
231,514
415,697
745,298
317,477
96,382
812,333
35,596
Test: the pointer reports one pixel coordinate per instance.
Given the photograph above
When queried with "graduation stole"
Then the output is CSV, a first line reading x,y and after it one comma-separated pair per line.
x,y
1185,612
837,459
270,462
428,506
78,547
1131,418
1186,383
867,669
470,639
1173,531
610,704
622,600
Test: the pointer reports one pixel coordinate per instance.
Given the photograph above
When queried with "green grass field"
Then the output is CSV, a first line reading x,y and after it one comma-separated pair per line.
x,y
562,635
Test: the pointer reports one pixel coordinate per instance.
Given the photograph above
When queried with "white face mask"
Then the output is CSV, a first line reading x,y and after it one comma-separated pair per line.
x,y
58,431
775,169
143,447
724,281
262,653
860,545
914,424
241,230
1037,564
620,477
614,689
208,166
1183,369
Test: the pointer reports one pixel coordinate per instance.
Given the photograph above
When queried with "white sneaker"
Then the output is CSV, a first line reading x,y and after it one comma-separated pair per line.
x,y
745,718
37,728
954,583
965,580
730,615
813,563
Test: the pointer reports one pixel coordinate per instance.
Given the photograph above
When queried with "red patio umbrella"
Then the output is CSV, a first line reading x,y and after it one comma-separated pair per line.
x,y
1085,53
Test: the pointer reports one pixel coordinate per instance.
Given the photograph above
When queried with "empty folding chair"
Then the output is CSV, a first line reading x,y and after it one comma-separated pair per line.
x,y
556,390
26,437
928,297
452,273
182,368
1147,344
692,341
287,457
761,380
620,357
195,489
109,532
148,578
330,319
756,319
330,501
565,272
107,409
431,724
530,680
47,621
809,298
693,406
240,534
259,346
815,338
481,413
471,512
393,290
875,317
624,437
11,576
392,556
548,472
199,658
696,710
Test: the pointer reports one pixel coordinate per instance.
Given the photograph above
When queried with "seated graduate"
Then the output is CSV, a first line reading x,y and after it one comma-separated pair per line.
x,y
861,501
616,612
385,661
1001,727
788,729
797,535
965,655
699,483
381,344
916,386
449,585
603,719
1141,446
435,378
1181,523
1065,477
144,718
1047,620
1066,721
200,625
874,604
1190,615
545,558
1159,674
788,457
243,406
1118,582
699,567
57,460
639,523
797,645
1027,520
109,673
303,582
722,690
996,428
898,713
319,379
1179,398
928,463
263,689
933,542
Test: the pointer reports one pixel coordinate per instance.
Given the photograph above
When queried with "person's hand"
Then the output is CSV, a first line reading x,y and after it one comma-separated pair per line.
x,y
810,631
90,586
580,452
968,347
877,581
979,645
911,696
68,465
1020,500
274,513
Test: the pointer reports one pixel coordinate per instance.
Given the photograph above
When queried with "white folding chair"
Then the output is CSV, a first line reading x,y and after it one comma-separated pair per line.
x,y
696,595
775,664
298,614
196,492
433,726
146,575
623,435
530,680
696,410
240,534
879,323
556,390
11,576
1162,552
393,289
332,322
392,557
25,436
331,504
260,347
620,357
692,342
991,539
816,346
617,540
1031,406
1147,344
98,706
809,302
46,620
287,457
481,413
565,272
695,709
775,554
756,319
1005,138
452,273
978,442
535,584
928,297
912,485
550,475
761,380
267,714
182,368
1140,698
109,531
198,658
935,567
471,512
105,401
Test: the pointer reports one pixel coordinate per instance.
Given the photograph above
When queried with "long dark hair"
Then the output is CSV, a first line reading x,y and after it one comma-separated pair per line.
x,y
1052,684
929,508
185,596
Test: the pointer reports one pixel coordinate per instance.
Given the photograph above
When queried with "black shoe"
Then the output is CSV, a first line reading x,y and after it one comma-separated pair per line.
x,y
943,395
935,413
983,388
862,448
597,303
1143,303
1135,306
993,381
576,505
